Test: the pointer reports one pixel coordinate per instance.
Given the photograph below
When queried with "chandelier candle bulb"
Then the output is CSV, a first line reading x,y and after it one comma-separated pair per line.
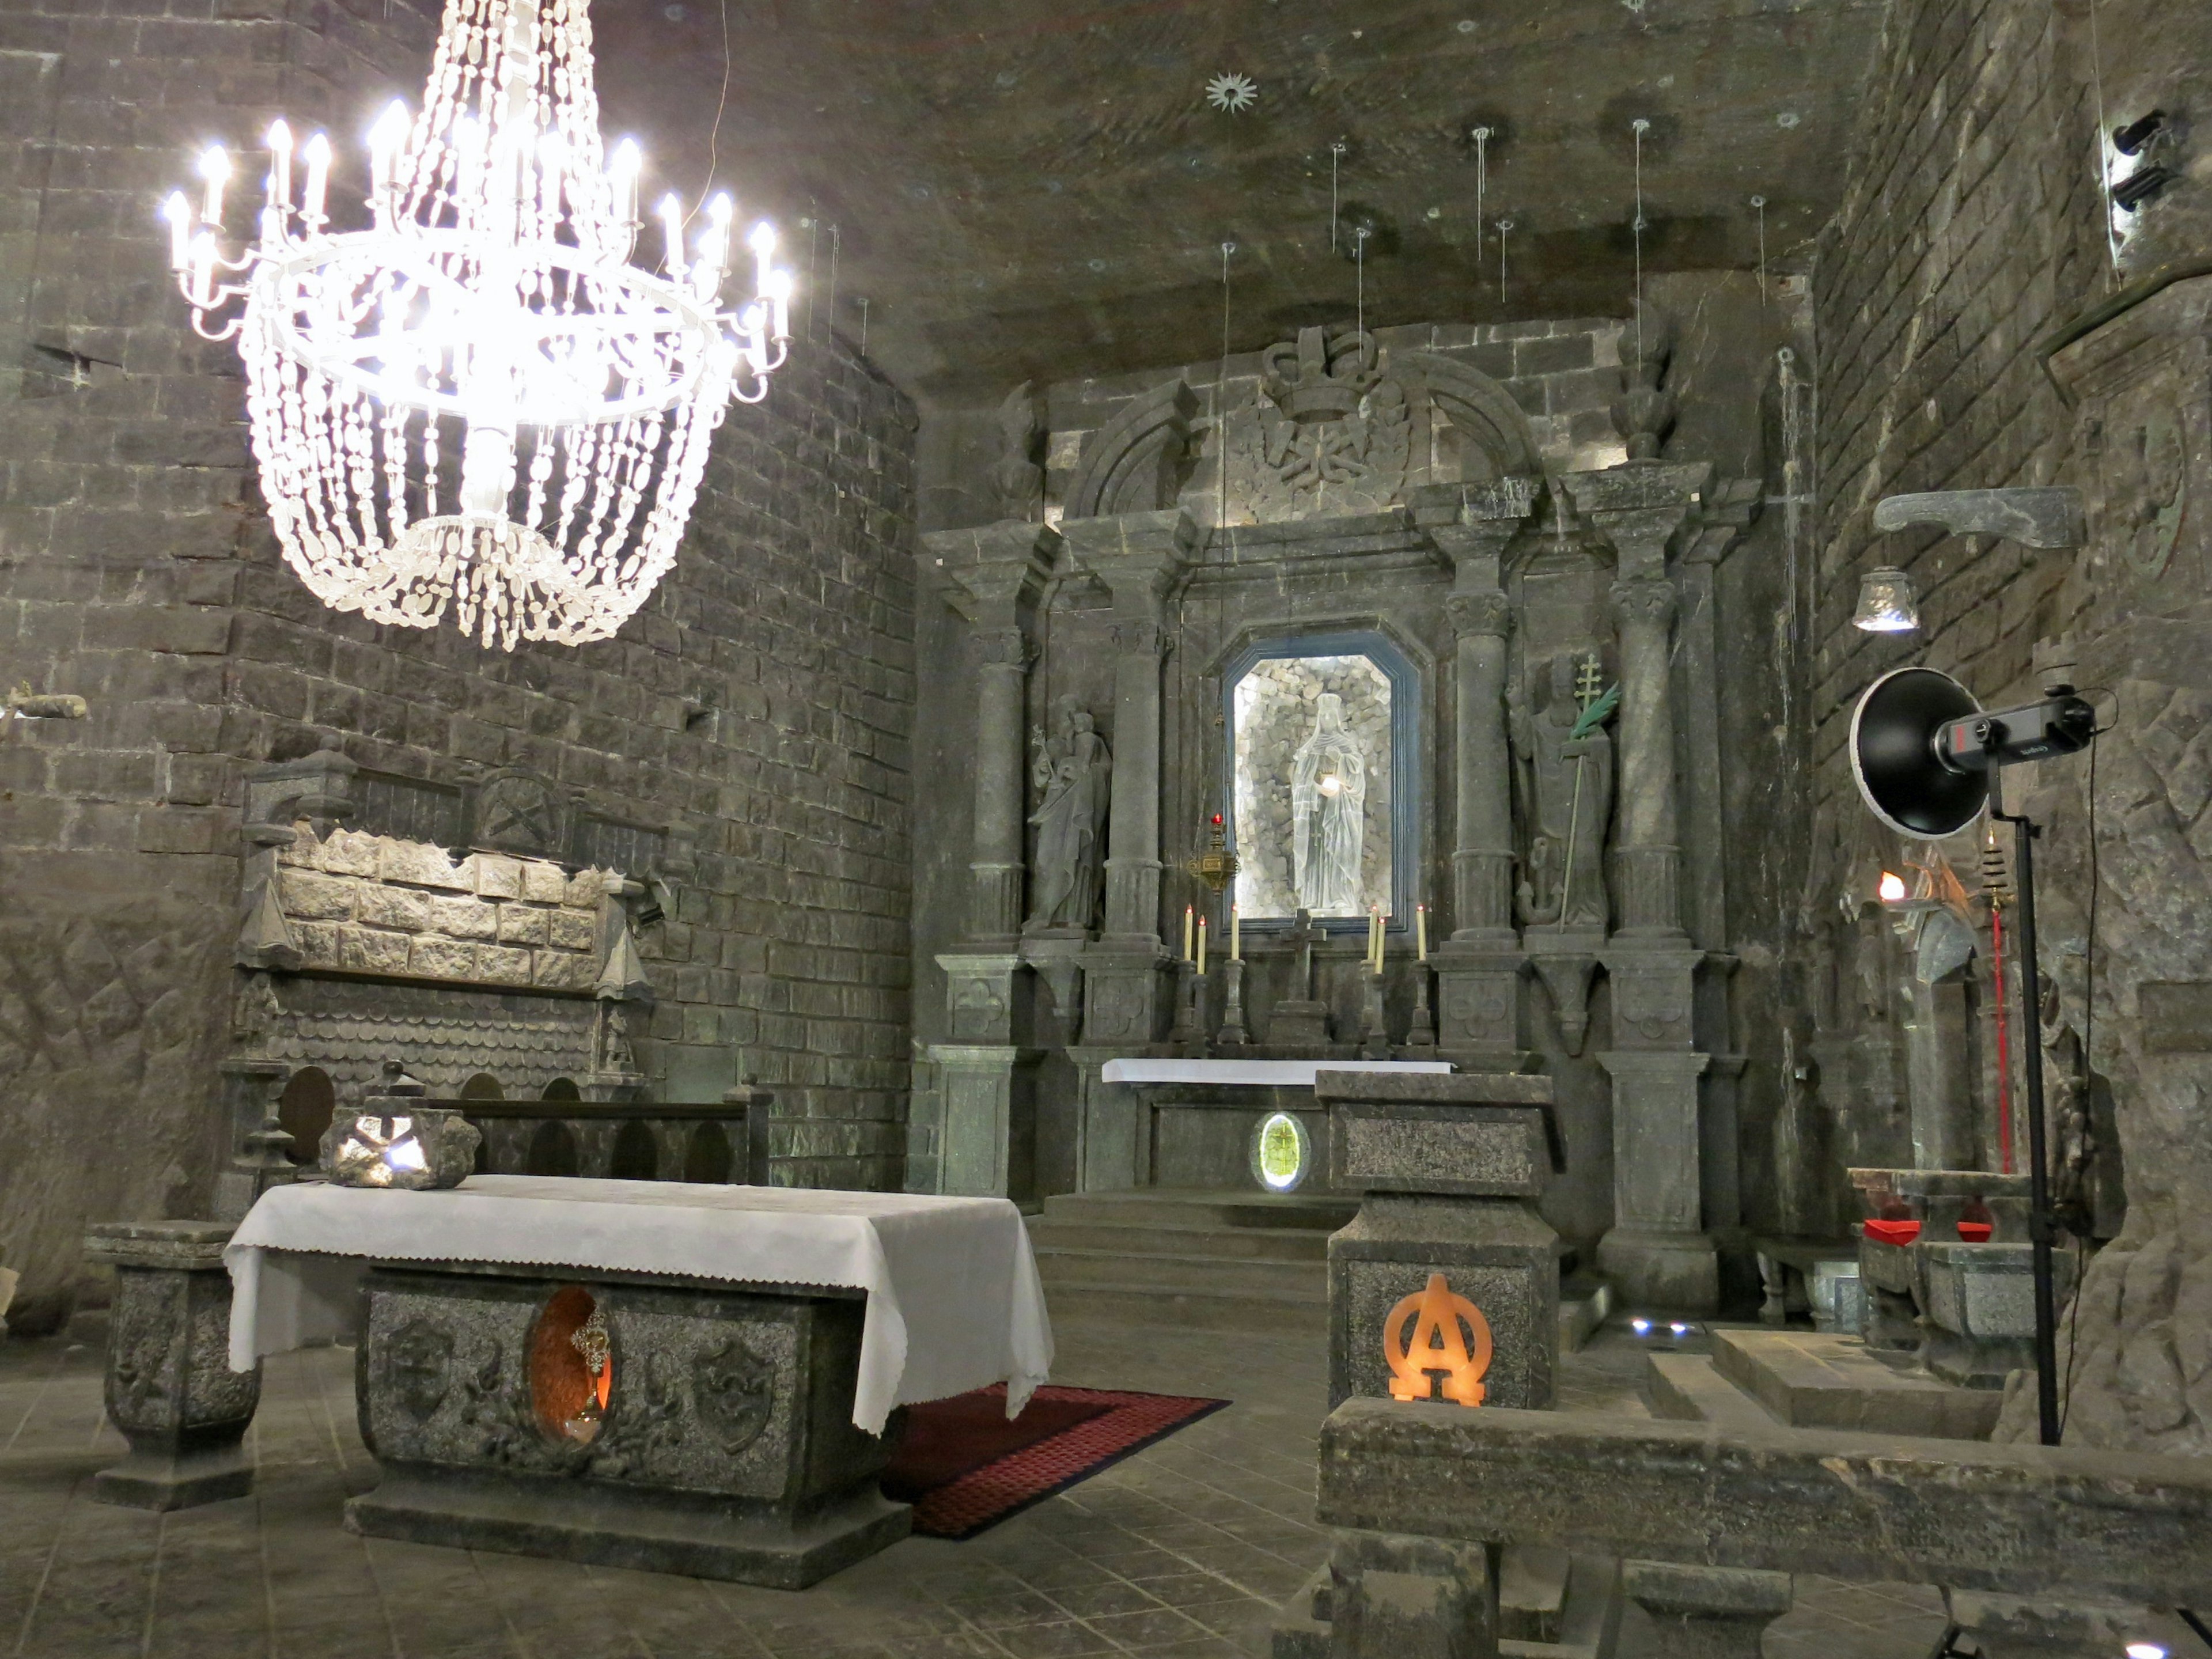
x,y
280,167
385,139
672,233
179,212
215,167
318,156
623,172
762,243
203,293
779,297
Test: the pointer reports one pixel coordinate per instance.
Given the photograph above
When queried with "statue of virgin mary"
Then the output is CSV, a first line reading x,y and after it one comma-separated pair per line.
x,y
1328,813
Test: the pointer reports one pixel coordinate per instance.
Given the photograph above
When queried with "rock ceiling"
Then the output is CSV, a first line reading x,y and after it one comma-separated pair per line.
x,y
1021,188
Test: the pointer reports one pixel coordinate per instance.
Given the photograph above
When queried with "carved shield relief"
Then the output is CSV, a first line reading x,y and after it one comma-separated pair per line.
x,y
733,1393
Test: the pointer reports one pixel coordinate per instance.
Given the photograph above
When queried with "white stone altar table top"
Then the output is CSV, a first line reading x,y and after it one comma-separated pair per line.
x,y
954,1303
1253,1074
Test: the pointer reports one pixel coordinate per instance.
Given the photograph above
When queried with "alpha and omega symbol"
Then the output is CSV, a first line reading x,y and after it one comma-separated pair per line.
x,y
1445,1354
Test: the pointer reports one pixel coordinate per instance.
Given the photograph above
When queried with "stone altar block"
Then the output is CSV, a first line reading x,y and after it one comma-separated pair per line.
x,y
184,1411
726,1448
1450,1168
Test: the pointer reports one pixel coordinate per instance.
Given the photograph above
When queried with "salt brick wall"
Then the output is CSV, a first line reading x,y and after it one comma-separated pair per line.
x,y
763,698
1969,230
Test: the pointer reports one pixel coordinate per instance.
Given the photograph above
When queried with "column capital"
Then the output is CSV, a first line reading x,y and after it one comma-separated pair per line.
x,y
1009,647
1640,507
1139,558
996,570
1489,613
1649,599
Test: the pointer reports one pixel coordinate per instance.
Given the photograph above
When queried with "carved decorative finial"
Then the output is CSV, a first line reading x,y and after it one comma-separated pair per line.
x,y
1017,480
1645,414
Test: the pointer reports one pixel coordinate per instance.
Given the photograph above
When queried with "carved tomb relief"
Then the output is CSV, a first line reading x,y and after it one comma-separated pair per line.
x,y
1313,786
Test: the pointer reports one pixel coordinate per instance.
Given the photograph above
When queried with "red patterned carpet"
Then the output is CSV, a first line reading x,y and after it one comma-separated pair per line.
x,y
964,1467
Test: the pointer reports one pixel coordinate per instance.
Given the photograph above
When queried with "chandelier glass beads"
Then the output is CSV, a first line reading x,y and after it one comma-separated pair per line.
x,y
475,406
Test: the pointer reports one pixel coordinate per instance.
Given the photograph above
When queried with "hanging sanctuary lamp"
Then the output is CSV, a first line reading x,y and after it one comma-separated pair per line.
x,y
474,406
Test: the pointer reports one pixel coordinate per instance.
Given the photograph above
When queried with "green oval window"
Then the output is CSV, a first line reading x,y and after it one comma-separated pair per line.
x,y
1280,1151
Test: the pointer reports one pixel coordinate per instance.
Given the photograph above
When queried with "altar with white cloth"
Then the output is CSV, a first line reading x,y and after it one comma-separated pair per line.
x,y
684,1379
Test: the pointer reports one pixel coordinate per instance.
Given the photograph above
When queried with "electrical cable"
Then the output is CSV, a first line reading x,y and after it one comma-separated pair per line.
x,y
2088,1051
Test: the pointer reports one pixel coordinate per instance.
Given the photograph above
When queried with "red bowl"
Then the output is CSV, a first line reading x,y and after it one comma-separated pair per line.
x,y
1975,1232
1893,1232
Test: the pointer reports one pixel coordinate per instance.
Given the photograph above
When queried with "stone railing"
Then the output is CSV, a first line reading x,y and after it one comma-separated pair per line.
x,y
2039,1550
632,1141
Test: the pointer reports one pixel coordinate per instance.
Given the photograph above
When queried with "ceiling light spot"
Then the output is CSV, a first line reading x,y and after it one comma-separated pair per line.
x,y
1232,94
1436,213
1466,26
1098,265
1007,78
674,14
1789,117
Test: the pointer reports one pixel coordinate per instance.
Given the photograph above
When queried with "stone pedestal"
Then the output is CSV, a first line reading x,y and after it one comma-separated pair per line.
x,y
986,1145
1450,1167
1705,1613
170,1389
1297,1027
1656,1255
1978,1308
726,1449
1411,1598
1478,1001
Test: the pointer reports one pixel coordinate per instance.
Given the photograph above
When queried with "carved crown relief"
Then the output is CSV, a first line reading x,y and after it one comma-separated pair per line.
x,y
1331,433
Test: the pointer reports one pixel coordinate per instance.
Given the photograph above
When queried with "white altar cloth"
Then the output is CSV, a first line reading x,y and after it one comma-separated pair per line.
x,y
1253,1074
954,1303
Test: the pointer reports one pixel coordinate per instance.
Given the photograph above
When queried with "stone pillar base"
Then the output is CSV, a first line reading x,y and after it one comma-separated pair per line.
x,y
178,1480
1662,1272
1705,1613
170,1389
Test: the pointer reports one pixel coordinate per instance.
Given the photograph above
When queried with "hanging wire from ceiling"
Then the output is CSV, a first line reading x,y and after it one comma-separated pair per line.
x,y
1482,137
864,326
1221,401
1359,235
1639,126
836,240
1758,206
1335,161
1503,226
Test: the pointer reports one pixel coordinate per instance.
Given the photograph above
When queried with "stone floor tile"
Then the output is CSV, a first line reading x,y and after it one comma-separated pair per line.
x,y
1114,1595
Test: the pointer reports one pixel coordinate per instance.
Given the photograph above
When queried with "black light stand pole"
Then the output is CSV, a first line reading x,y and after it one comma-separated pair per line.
x,y
2039,1166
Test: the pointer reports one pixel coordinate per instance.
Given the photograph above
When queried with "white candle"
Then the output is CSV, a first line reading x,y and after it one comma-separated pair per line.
x,y
779,295
384,141
623,170
215,167
1188,914
762,243
1421,932
203,271
280,165
318,175
672,233
1235,935
179,212
1202,947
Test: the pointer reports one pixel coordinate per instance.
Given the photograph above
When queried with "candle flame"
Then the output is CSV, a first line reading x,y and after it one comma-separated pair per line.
x,y
1892,888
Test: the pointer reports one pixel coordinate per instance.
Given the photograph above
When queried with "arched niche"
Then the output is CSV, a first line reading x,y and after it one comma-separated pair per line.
x,y
483,1086
1135,463
707,1159
562,1088
1373,673
552,1151
1495,439
635,1157
304,1111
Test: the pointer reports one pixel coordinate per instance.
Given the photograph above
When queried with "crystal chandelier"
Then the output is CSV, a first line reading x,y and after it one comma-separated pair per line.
x,y
476,406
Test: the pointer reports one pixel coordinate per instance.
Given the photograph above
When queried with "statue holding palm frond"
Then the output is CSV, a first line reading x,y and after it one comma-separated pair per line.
x,y
1568,755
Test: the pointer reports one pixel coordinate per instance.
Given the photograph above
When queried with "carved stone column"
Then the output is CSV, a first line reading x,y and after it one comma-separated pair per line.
x,y
986,1141
1140,558
1658,1254
1479,969
1000,571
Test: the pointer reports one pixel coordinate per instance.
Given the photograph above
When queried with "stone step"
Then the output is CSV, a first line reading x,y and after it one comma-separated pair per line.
x,y
1815,1379
1307,1244
1274,1312
1585,1307
1684,1388
1167,1207
1197,1273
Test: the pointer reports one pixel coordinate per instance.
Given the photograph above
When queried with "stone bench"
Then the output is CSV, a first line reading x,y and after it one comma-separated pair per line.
x,y
1709,1526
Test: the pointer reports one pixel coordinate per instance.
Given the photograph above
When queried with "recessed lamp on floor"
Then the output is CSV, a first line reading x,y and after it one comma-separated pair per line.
x,y
2145,1650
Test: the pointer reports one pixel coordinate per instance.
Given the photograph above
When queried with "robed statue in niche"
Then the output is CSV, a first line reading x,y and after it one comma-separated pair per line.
x,y
1329,814
1566,757
1070,771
